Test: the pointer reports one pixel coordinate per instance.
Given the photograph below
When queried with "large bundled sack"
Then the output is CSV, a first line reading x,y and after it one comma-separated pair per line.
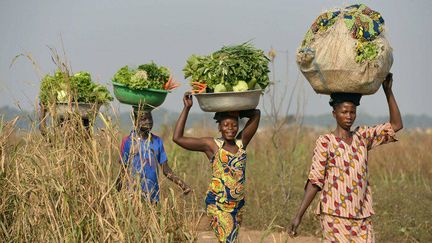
x,y
345,50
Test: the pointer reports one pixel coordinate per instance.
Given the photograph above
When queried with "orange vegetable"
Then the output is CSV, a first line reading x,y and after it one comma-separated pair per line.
x,y
198,87
171,84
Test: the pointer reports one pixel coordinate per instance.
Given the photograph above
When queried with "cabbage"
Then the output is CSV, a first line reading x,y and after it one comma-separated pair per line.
x,y
62,96
240,86
220,88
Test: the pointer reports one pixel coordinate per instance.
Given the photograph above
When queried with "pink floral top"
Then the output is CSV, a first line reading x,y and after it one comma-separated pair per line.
x,y
340,170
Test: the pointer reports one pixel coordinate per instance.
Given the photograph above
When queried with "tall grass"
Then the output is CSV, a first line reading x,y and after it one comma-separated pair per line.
x,y
277,168
62,187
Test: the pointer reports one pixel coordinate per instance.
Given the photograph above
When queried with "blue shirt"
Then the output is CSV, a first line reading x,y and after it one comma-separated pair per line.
x,y
145,161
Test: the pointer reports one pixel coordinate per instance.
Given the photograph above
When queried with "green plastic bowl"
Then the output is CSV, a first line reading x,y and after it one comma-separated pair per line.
x,y
149,98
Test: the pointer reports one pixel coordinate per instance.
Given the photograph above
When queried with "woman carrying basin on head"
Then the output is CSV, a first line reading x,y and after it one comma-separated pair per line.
x,y
227,155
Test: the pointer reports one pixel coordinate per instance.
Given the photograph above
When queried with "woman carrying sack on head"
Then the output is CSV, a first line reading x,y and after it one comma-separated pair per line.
x,y
339,170
227,155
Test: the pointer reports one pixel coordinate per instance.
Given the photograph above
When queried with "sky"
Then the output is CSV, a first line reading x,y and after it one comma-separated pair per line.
x,y
102,36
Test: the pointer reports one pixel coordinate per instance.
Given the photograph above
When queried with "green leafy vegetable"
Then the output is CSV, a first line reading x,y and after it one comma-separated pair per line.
x,y
123,75
145,76
228,66
220,88
366,51
155,73
79,87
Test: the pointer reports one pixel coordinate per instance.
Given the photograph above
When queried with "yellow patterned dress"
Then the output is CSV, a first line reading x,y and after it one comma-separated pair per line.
x,y
225,195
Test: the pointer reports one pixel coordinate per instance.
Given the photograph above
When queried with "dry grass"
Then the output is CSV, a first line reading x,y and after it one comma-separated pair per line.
x,y
62,187
400,174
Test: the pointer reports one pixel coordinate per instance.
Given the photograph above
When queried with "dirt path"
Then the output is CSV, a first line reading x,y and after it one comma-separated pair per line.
x,y
256,236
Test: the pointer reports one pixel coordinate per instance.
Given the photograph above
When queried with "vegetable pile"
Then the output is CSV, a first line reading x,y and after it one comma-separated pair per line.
x,y
233,68
79,87
146,76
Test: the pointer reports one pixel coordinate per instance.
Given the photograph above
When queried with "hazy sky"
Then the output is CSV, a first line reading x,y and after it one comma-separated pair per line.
x,y
102,36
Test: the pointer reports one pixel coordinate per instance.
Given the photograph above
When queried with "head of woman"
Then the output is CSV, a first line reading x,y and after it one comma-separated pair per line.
x,y
143,120
345,108
227,124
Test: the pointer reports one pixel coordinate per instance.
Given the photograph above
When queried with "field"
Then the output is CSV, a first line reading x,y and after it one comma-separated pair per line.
x,y
62,187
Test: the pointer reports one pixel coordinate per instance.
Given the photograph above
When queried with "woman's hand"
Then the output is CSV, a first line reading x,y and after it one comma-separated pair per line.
x,y
310,192
187,100
234,113
167,171
294,225
186,189
119,183
387,84
247,113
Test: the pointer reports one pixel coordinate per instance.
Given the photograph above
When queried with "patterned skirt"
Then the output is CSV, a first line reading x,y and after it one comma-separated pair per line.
x,y
225,218
337,229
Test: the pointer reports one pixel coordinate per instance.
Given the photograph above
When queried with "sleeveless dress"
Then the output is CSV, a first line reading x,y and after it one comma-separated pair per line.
x,y
225,194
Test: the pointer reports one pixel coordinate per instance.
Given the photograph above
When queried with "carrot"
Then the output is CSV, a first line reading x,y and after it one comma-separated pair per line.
x,y
198,84
171,84
198,87
197,91
166,85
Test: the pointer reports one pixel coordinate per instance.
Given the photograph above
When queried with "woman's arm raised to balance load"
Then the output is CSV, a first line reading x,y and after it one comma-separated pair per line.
x,y
203,144
251,126
395,116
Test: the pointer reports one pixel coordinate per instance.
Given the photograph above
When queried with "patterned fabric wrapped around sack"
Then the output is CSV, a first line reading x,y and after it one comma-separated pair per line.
x,y
345,50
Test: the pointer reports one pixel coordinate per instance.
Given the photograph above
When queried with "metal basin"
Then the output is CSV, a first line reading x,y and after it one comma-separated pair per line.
x,y
228,101
85,110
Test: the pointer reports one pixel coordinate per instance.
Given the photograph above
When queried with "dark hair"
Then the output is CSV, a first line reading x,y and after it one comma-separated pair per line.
x,y
141,112
220,116
339,98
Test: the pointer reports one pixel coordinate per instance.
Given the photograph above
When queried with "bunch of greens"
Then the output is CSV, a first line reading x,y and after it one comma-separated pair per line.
x,y
59,87
366,51
144,77
233,68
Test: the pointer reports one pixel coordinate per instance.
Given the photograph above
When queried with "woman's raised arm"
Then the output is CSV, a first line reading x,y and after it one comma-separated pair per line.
x,y
190,143
395,116
251,126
